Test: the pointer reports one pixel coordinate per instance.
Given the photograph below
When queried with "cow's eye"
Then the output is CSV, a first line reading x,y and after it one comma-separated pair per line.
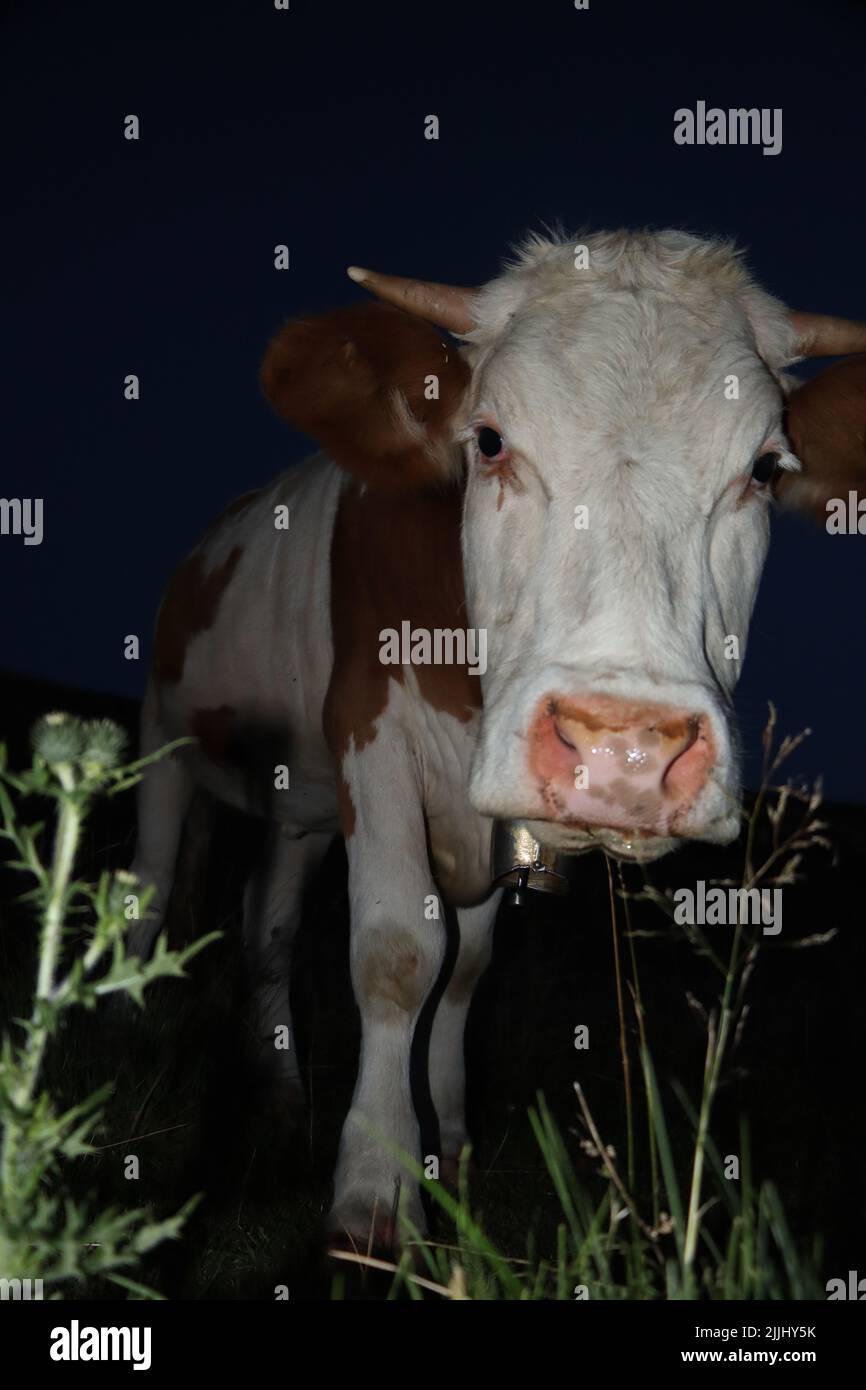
x,y
490,442
763,469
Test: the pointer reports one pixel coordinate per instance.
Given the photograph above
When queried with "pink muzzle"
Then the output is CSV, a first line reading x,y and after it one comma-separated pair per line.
x,y
627,765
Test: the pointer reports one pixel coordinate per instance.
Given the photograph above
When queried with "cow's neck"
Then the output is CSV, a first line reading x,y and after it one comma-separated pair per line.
x,y
395,559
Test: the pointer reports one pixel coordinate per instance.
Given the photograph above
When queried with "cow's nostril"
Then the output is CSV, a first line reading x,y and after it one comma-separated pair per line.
x,y
687,769
563,738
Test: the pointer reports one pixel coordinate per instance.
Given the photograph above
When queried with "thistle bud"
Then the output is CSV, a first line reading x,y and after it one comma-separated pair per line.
x,y
104,745
58,738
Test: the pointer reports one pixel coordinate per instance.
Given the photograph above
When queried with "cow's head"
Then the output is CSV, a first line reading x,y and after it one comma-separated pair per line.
x,y
624,422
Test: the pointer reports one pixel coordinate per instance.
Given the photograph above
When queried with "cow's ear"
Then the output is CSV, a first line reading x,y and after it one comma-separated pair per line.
x,y
826,427
376,387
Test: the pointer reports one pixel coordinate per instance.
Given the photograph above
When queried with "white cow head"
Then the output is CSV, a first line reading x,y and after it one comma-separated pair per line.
x,y
623,429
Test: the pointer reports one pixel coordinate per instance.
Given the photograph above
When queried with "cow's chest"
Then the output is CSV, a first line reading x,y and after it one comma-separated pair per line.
x,y
459,838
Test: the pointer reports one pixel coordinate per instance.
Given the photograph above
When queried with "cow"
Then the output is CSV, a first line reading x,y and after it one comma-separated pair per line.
x,y
578,461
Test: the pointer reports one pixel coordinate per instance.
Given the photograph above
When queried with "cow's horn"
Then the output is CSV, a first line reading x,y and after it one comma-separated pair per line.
x,y
448,306
824,335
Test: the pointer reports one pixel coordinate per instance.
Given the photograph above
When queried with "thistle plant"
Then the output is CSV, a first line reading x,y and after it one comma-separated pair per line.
x,y
81,960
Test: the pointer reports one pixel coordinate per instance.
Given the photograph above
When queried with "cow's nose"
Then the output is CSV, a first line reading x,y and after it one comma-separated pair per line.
x,y
629,765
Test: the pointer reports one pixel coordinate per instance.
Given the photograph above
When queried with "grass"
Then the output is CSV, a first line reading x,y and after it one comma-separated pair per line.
x,y
604,1186
735,1244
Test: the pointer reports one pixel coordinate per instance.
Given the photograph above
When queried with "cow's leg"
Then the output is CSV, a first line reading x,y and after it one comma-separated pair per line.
x,y
164,795
273,900
447,1069
397,946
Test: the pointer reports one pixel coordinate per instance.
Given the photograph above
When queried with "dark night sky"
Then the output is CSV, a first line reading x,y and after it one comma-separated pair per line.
x,y
306,127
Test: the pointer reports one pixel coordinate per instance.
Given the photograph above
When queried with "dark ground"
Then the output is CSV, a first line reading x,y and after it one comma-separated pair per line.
x,y
188,1105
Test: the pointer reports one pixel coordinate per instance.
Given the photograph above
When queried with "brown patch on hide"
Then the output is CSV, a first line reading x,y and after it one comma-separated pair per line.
x,y
345,804
190,606
390,979
394,558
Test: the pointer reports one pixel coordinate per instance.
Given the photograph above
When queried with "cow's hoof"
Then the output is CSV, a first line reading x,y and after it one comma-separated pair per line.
x,y
359,1233
365,1256
371,1230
